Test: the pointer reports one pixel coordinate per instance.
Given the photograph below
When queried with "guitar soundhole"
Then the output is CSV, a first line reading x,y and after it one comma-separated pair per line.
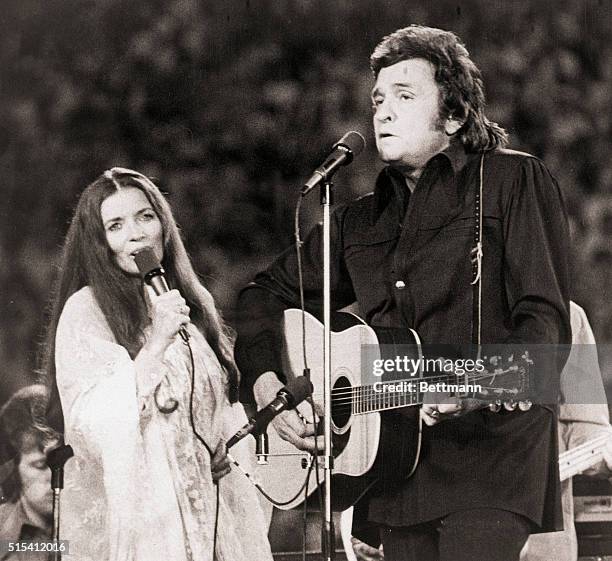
x,y
341,402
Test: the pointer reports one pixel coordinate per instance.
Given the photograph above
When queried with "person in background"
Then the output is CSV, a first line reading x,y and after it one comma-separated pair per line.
x,y
147,386
27,498
583,415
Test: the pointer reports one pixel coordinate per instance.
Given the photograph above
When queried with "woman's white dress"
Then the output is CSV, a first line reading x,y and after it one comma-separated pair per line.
x,y
139,487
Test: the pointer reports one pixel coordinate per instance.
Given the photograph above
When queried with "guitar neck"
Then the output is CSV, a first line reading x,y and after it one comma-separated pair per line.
x,y
386,395
581,458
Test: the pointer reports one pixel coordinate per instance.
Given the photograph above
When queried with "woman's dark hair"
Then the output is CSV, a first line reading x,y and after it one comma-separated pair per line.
x,y
87,260
460,82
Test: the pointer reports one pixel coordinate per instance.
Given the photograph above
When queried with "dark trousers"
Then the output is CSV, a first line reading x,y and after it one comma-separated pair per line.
x,y
482,534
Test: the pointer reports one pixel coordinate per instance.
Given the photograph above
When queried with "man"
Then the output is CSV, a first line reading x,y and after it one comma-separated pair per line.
x,y
404,253
25,478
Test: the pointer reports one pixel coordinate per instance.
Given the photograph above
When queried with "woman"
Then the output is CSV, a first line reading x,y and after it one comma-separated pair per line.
x,y
141,484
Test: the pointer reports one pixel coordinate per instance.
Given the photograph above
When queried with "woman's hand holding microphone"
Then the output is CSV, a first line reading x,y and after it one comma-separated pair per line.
x,y
169,313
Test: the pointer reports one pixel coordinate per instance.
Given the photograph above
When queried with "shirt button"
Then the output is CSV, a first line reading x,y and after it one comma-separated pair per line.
x,y
400,284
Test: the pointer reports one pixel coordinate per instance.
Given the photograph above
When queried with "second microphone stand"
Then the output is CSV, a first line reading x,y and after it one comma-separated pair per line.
x,y
328,460
56,459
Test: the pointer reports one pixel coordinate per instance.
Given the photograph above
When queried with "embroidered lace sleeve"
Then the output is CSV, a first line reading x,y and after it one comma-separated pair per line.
x,y
86,338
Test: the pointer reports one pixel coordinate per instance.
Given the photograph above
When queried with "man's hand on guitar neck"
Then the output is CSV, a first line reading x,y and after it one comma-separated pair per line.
x,y
287,424
448,408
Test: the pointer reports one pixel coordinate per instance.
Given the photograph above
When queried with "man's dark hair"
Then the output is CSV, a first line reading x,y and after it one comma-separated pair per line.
x,y
23,428
460,82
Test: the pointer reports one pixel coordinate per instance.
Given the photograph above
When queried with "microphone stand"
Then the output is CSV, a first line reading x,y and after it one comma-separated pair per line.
x,y
327,537
56,459
350,145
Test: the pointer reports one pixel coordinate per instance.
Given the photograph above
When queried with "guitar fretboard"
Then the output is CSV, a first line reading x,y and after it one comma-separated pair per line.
x,y
582,457
387,395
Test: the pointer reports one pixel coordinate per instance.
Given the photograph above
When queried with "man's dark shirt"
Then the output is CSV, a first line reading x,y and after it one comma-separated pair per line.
x,y
405,259
15,526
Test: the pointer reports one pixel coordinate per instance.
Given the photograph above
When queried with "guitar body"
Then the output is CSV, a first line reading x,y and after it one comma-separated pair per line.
x,y
365,446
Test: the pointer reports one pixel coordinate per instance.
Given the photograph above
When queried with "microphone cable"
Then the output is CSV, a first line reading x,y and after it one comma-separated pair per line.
x,y
261,490
315,456
298,251
153,275
202,441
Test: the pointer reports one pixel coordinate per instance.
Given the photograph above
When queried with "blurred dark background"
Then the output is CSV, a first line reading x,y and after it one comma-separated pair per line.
x,y
229,104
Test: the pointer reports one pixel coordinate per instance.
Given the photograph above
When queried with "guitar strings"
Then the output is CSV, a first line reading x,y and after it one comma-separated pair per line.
x,y
430,379
364,399
368,393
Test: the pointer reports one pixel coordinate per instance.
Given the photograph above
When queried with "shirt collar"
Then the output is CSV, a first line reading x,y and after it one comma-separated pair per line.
x,y
391,183
14,518
456,156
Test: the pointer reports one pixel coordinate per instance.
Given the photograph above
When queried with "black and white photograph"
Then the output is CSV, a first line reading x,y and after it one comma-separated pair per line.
x,y
306,280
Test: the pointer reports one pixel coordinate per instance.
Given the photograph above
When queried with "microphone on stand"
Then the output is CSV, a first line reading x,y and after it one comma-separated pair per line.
x,y
56,459
296,391
343,152
153,274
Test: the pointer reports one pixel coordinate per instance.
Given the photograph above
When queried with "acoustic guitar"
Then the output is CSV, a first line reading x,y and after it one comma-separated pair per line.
x,y
376,427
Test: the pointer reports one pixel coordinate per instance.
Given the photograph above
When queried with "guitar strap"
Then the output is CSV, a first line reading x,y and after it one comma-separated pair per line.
x,y
476,258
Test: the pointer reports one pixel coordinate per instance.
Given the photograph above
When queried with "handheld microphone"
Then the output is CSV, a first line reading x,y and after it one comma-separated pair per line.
x,y
343,152
153,273
296,391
